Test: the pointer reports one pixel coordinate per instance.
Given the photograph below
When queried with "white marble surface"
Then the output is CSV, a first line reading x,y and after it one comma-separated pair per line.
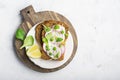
x,y
97,23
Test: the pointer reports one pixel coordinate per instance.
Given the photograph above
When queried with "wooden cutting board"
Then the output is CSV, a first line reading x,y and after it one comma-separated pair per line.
x,y
30,18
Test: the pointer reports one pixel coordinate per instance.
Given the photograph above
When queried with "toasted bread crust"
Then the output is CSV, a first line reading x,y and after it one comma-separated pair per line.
x,y
40,33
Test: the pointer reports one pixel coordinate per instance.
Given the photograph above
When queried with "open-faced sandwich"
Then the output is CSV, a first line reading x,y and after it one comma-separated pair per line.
x,y
51,36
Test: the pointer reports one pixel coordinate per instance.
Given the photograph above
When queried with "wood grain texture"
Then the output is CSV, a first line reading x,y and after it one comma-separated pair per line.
x,y
30,18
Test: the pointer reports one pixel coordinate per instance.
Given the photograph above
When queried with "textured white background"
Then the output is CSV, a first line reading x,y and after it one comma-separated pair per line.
x,y
97,24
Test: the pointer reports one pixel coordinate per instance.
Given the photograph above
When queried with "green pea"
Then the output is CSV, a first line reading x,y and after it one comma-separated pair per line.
x,y
56,26
45,40
58,39
50,53
66,35
52,39
47,48
57,55
54,48
62,32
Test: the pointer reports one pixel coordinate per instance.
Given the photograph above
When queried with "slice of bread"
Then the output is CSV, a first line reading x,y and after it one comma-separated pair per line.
x,y
40,33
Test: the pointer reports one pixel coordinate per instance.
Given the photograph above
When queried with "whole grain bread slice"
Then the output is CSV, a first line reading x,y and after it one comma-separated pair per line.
x,y
40,33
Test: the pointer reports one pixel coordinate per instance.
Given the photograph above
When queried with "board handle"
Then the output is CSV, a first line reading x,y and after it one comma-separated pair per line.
x,y
29,15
